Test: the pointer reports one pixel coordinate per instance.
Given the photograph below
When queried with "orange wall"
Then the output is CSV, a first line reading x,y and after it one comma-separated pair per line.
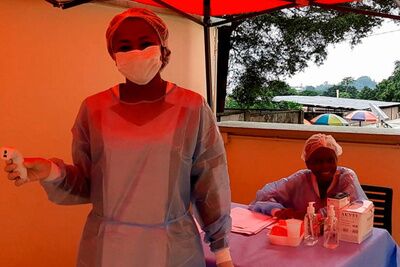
x,y
51,59
258,157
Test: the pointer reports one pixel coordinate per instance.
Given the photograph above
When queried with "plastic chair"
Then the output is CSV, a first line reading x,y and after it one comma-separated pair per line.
x,y
382,199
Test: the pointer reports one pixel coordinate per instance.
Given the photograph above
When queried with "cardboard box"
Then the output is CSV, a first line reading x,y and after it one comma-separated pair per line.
x,y
356,221
338,201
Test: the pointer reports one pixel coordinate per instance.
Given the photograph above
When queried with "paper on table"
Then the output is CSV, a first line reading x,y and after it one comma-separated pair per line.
x,y
245,221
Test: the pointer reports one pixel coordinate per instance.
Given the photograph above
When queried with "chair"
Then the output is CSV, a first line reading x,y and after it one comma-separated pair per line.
x,y
382,199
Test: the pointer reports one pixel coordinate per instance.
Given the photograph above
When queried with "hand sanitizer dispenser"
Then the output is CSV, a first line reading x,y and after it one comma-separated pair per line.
x,y
310,226
331,231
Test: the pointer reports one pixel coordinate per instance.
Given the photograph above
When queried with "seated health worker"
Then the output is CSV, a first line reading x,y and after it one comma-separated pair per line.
x,y
289,197
146,153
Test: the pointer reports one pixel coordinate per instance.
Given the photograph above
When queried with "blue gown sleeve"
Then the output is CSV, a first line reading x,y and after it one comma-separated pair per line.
x,y
274,195
211,194
73,186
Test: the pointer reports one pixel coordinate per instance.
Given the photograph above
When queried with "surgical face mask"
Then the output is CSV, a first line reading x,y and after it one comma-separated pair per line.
x,y
139,66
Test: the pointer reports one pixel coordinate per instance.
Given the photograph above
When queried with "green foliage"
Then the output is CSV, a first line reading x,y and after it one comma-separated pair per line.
x,y
309,93
345,88
332,90
389,89
231,103
288,105
347,82
254,92
367,93
249,88
267,48
282,43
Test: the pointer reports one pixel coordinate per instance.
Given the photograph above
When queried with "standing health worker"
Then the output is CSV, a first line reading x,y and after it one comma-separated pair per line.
x,y
146,154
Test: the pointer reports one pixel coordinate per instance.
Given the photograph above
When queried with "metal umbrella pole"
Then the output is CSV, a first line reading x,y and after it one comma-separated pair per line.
x,y
207,51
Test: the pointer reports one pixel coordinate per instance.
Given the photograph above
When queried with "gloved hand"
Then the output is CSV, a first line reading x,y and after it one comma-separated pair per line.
x,y
37,168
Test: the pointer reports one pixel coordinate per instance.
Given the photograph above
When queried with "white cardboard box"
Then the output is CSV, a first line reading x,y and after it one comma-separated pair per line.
x,y
338,203
356,221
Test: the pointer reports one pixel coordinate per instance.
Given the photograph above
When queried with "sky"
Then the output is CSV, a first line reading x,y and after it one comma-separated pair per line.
x,y
373,57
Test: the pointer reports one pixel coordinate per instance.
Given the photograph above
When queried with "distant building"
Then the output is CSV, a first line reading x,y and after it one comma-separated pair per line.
x,y
325,104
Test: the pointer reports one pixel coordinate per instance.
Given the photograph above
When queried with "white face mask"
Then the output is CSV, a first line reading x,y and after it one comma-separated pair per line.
x,y
139,66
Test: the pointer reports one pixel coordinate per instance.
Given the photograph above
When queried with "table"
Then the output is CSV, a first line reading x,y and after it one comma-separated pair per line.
x,y
379,250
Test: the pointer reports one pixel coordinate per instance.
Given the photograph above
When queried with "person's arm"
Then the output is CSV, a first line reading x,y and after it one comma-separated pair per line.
x,y
272,199
211,193
73,184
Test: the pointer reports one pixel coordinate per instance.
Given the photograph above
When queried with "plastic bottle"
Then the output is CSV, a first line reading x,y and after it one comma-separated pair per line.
x,y
331,237
310,226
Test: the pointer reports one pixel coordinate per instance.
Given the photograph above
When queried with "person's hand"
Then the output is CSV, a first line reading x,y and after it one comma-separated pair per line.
x,y
37,169
225,264
289,213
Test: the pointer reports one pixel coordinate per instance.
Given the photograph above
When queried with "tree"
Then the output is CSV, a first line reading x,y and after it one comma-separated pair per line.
x,y
367,93
254,92
282,43
345,88
309,93
347,82
348,89
389,89
332,91
249,88
272,89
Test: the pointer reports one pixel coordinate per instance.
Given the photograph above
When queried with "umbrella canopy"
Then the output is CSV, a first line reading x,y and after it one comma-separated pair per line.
x,y
329,119
232,7
361,115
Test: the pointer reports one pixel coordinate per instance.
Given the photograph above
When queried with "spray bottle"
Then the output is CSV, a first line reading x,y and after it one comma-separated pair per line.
x,y
331,237
310,226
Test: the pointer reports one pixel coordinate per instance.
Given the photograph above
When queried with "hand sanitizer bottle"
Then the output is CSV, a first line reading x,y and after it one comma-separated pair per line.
x,y
310,226
331,237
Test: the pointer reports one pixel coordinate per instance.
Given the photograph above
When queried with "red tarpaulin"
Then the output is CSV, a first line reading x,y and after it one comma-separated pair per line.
x,y
233,7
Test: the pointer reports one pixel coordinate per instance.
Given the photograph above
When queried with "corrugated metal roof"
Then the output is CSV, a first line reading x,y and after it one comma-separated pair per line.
x,y
333,102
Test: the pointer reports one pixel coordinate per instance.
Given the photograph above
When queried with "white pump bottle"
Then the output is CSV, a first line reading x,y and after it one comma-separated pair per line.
x,y
331,237
310,226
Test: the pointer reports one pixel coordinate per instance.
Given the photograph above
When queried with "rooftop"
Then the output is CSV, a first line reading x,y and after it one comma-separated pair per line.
x,y
333,102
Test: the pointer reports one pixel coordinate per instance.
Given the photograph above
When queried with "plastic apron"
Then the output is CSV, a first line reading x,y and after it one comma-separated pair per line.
x,y
140,159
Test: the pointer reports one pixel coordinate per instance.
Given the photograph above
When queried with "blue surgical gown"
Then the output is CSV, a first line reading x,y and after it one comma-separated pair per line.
x,y
301,187
146,168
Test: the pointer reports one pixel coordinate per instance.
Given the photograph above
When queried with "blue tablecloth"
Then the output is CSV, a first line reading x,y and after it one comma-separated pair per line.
x,y
379,250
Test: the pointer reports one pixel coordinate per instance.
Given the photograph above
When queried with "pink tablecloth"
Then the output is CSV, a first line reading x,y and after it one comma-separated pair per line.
x,y
379,250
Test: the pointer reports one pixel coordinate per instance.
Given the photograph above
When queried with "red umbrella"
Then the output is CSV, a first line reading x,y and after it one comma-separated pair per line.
x,y
361,115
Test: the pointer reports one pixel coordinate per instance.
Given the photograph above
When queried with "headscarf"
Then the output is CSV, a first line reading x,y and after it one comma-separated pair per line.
x,y
320,140
152,19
